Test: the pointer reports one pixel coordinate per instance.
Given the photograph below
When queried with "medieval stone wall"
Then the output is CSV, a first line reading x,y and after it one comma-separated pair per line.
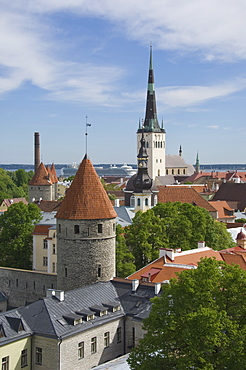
x,y
24,286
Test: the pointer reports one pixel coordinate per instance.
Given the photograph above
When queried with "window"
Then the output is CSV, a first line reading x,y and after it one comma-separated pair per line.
x,y
45,261
160,160
132,201
184,171
156,160
59,228
119,335
166,172
53,267
38,356
53,248
45,245
93,345
114,227
99,270
5,363
106,339
138,202
65,271
17,283
24,358
172,171
99,228
76,229
81,351
146,202
178,171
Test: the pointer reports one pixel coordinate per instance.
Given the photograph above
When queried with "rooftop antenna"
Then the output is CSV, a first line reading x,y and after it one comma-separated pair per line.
x,y
86,133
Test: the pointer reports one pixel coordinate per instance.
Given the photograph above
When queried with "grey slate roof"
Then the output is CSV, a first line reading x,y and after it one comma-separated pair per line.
x,y
3,298
124,216
46,316
10,323
54,318
173,161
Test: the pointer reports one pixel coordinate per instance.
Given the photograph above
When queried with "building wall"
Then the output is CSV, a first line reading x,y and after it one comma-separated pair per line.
x,y
13,350
46,192
177,171
24,286
157,155
69,347
134,332
40,253
81,255
50,353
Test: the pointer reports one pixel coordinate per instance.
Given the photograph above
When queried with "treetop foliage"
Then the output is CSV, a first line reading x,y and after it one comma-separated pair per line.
x,y
16,227
14,184
173,225
199,322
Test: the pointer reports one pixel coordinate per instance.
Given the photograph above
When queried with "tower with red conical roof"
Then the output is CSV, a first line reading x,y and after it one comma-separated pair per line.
x,y
85,232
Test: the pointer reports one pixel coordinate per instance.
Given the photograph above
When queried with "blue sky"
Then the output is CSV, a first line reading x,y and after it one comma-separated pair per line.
x,y
61,61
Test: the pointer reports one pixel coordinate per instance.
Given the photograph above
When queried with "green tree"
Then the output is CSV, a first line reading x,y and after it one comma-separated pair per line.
x,y
17,225
173,225
199,322
124,258
241,220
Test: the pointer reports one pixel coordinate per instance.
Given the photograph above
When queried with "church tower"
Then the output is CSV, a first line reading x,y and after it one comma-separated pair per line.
x,y
154,135
142,182
197,164
85,232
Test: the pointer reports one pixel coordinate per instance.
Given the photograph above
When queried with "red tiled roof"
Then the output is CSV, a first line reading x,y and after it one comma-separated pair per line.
x,y
183,195
8,202
86,198
41,229
223,209
53,171
48,205
41,177
168,272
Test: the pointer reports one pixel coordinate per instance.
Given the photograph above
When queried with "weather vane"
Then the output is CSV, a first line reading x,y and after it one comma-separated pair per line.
x,y
86,133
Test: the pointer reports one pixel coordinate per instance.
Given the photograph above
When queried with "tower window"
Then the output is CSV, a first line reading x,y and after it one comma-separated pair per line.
x,y
166,172
99,228
76,229
172,171
65,270
178,171
132,201
146,202
139,202
184,171
158,174
99,271
59,228
156,160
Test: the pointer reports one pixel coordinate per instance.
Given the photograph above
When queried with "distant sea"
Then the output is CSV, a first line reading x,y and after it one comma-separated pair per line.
x,y
204,167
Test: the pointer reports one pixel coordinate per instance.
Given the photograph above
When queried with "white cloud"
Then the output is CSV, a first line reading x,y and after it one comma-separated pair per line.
x,y
214,127
185,96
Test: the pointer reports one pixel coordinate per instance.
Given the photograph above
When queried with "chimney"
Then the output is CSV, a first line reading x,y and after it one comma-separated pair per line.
x,y
201,244
135,284
36,151
157,288
117,202
164,252
59,294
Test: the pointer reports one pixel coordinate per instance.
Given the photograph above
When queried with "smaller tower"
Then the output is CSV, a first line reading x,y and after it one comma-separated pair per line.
x,y
85,232
197,164
142,182
241,240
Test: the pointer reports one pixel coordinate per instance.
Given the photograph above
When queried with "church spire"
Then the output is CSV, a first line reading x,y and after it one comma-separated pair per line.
x,y
197,164
151,123
142,181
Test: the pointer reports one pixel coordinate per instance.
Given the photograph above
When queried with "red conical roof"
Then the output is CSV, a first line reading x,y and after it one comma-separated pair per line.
x,y
241,236
86,198
41,176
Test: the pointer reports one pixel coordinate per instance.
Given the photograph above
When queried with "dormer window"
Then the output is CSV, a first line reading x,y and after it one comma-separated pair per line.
x,y
2,334
73,319
87,315
99,310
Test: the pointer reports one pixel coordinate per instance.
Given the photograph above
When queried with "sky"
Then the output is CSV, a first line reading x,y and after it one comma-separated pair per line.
x,y
64,60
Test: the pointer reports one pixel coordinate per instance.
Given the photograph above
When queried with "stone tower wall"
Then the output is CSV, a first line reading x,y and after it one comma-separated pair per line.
x,y
85,252
46,192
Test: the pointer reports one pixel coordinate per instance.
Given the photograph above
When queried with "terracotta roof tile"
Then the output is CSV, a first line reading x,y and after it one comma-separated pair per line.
x,y
86,198
41,177
8,202
183,195
223,209
167,272
48,205
41,230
